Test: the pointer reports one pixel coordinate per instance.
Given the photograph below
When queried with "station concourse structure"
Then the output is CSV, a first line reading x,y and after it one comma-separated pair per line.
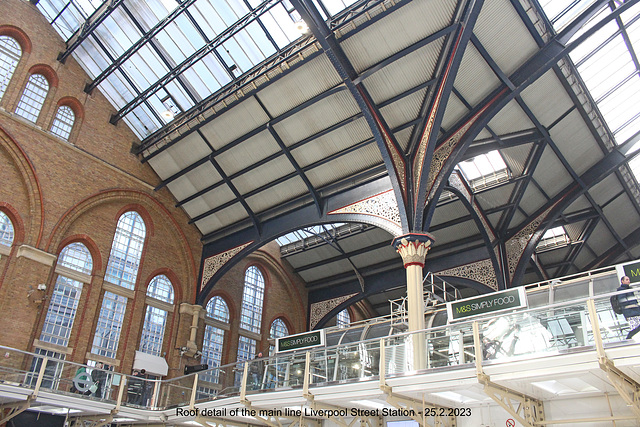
x,y
189,182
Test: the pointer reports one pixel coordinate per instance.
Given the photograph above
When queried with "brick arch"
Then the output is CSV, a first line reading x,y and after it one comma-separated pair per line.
x,y
144,204
48,73
75,105
91,246
32,226
20,36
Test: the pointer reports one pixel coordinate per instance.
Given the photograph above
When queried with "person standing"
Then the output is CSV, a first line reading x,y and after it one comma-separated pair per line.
x,y
629,305
99,378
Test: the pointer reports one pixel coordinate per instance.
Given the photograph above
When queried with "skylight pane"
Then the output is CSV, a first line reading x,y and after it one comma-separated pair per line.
x,y
607,67
622,104
553,238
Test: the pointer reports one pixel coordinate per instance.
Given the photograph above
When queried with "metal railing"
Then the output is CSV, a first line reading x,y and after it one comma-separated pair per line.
x,y
520,335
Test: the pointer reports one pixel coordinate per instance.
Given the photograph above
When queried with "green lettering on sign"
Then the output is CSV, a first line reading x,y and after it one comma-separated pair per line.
x,y
297,342
633,271
497,301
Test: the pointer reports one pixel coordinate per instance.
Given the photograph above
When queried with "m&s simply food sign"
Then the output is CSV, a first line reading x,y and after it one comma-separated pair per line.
x,y
489,303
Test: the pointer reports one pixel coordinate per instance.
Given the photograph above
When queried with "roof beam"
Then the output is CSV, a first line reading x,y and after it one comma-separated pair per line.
x,y
199,54
81,34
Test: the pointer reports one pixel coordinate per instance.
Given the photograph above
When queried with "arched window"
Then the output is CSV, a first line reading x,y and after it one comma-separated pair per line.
x,y
126,251
66,295
217,309
33,97
6,230
214,337
252,298
278,330
122,270
10,54
159,291
63,122
343,319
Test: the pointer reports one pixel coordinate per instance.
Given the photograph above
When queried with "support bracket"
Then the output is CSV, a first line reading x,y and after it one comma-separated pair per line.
x,y
524,409
14,408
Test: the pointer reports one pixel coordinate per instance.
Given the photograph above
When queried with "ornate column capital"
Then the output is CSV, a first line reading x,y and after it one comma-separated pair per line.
x,y
413,247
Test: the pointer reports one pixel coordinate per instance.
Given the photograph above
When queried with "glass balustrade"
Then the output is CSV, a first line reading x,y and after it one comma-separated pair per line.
x,y
556,329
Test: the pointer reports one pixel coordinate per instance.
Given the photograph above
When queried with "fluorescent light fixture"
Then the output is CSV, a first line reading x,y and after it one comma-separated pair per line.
x,y
167,115
372,404
301,26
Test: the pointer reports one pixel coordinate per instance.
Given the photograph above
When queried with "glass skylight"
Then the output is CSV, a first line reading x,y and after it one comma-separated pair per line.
x,y
213,44
484,170
553,238
299,235
608,64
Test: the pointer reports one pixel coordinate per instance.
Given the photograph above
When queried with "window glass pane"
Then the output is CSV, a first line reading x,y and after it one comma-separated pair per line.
x,y
278,329
252,297
343,319
61,312
33,97
76,256
217,309
126,251
160,288
246,351
155,320
6,230
212,351
10,53
63,122
105,340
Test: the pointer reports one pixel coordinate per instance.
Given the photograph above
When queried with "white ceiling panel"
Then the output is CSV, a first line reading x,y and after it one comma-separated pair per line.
x,y
177,157
332,143
407,25
572,133
222,218
234,123
317,117
475,80
302,84
356,161
503,35
551,174
510,119
209,201
263,174
547,98
247,153
277,194
404,74
198,179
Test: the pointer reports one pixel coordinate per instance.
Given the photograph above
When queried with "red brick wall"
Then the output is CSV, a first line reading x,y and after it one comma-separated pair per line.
x,y
58,192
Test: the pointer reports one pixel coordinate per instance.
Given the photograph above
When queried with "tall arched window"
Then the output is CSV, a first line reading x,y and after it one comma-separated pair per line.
x,y
217,312
6,230
343,319
33,97
10,54
159,291
63,122
252,298
66,294
122,270
126,251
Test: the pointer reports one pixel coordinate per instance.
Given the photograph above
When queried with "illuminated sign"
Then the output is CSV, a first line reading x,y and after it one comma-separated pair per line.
x,y
631,269
489,303
300,341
